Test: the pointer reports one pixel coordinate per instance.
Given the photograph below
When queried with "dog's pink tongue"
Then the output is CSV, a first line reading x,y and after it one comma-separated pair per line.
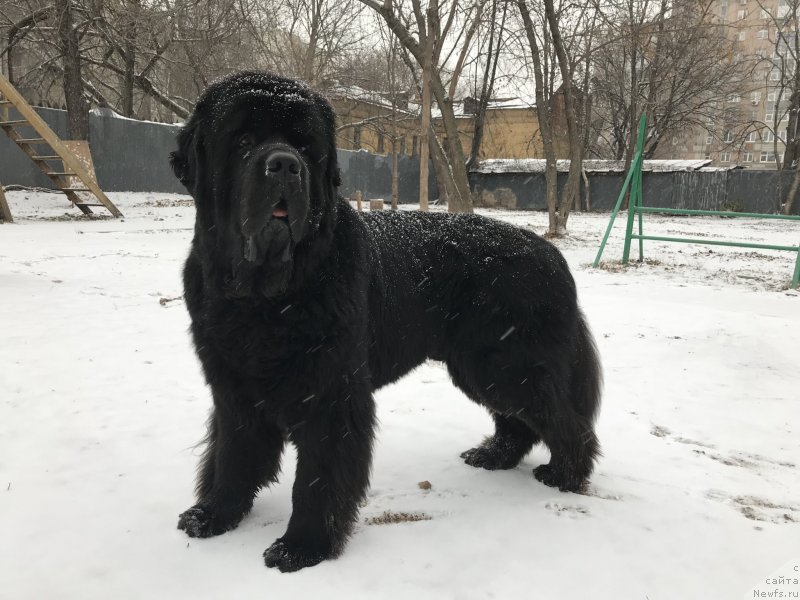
x,y
280,212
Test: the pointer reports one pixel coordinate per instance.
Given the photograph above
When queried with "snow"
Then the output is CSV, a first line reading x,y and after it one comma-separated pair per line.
x,y
537,165
102,404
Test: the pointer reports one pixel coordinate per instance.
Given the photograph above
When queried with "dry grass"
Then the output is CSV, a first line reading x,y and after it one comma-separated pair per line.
x,y
388,517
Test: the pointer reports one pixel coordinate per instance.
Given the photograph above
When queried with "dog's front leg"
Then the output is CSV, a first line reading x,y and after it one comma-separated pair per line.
x,y
242,454
334,453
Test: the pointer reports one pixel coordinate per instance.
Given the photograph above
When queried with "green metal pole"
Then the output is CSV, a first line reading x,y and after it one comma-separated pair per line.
x,y
613,217
636,189
639,202
626,252
796,276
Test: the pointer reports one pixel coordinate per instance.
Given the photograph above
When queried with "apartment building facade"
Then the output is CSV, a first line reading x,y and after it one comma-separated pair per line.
x,y
754,139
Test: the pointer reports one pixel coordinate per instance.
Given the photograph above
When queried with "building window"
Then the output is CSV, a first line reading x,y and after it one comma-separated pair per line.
x,y
728,137
767,157
414,145
763,34
725,157
381,143
401,148
709,139
741,14
742,36
675,141
748,157
734,98
751,137
769,136
755,98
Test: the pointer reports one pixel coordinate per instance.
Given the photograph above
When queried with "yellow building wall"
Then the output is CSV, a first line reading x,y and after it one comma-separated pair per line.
x,y
508,132
368,126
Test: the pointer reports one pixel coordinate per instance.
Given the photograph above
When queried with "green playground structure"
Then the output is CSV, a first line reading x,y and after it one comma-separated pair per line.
x,y
633,180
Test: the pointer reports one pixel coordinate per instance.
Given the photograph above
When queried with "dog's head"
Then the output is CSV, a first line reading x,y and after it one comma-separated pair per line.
x,y
258,156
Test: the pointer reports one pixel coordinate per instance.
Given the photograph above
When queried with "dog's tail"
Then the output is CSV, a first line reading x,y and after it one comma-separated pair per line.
x,y
587,374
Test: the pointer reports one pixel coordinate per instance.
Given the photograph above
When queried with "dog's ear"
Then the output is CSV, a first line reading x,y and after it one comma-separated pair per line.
x,y
177,160
181,159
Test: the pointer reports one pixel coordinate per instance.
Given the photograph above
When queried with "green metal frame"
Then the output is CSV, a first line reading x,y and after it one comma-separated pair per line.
x,y
635,208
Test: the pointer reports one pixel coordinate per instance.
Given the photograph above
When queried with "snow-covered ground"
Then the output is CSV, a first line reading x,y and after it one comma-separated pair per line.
x,y
102,402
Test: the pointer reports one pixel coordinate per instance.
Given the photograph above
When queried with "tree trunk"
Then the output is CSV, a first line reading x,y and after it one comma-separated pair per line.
x,y
792,193
543,114
487,87
395,172
77,107
444,175
572,187
426,124
128,81
461,198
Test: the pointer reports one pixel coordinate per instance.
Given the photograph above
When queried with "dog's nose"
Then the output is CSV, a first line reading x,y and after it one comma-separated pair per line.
x,y
282,163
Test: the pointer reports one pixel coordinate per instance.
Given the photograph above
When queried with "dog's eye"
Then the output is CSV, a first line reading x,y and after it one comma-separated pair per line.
x,y
245,141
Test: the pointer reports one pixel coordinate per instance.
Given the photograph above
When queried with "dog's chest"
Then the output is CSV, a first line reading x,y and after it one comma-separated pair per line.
x,y
264,340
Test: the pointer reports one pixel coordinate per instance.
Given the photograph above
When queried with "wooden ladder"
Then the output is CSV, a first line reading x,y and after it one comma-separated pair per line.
x,y
48,152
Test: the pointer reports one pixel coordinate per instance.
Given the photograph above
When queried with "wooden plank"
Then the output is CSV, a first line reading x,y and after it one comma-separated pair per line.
x,y
80,149
71,163
5,211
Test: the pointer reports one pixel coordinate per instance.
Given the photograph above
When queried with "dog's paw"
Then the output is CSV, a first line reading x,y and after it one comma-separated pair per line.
x,y
554,477
290,557
488,457
201,522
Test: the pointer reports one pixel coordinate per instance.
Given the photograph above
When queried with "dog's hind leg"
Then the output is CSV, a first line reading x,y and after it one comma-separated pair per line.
x,y
512,438
535,397
573,449
239,459
511,441
567,425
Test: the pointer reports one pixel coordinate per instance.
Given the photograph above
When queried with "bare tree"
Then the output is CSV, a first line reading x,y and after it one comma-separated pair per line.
x,y
494,42
557,60
307,39
448,29
672,61
783,84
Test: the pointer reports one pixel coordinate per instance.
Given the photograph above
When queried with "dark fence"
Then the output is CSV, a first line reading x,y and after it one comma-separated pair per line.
x,y
128,155
132,155
738,190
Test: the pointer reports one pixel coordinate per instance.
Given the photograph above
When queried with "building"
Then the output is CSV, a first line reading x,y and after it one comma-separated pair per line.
x,y
367,121
370,121
510,130
761,29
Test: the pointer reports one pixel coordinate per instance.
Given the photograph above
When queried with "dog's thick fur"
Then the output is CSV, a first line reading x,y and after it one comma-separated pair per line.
x,y
301,308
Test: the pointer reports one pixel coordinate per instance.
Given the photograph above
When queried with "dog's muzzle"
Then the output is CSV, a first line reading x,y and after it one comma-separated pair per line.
x,y
275,207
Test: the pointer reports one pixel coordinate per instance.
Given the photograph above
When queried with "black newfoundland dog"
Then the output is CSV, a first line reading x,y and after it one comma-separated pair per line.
x,y
301,308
